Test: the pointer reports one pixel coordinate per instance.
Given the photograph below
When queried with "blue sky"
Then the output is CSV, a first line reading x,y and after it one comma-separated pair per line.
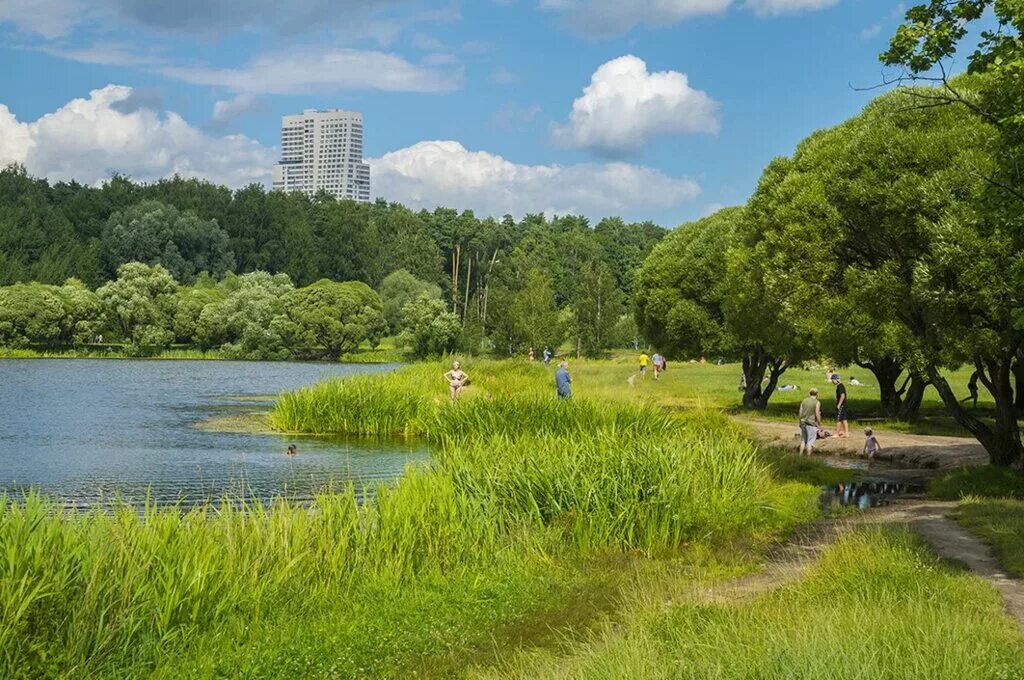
x,y
687,99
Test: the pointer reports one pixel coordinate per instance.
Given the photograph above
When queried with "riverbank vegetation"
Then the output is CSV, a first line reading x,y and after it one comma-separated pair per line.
x,y
999,522
524,492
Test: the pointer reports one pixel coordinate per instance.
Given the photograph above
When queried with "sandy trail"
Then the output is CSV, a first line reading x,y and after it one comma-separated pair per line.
x,y
910,450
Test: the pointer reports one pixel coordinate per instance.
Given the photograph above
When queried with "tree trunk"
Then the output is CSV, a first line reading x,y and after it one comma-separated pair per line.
x,y
887,372
755,364
911,406
1002,441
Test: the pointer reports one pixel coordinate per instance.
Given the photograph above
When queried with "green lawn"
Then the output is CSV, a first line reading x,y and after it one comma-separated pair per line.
x,y
689,385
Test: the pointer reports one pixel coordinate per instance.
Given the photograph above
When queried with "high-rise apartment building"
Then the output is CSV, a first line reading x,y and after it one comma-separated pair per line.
x,y
323,150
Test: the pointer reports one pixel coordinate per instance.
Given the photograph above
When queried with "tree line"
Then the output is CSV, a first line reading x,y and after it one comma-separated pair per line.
x,y
491,285
892,241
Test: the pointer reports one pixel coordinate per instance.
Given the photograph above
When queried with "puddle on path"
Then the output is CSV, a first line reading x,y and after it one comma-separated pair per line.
x,y
865,494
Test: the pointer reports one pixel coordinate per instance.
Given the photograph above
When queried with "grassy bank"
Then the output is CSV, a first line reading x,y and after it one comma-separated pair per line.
x,y
525,493
999,522
876,605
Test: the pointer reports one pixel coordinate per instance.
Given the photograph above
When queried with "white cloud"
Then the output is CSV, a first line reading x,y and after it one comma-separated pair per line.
x,y
227,110
777,7
870,32
502,76
625,107
614,17
316,70
47,18
90,139
430,174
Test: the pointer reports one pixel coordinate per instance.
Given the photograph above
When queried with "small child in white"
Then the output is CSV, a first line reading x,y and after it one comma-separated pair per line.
x,y
871,446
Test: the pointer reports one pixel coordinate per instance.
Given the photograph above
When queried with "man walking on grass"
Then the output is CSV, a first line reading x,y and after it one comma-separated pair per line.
x,y
810,420
842,426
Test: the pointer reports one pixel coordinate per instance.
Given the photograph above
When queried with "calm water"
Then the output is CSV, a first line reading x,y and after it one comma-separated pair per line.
x,y
88,431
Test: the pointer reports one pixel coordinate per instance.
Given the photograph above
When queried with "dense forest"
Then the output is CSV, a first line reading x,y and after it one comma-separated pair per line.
x,y
487,285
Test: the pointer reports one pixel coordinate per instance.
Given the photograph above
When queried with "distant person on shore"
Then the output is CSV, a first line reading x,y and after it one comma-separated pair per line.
x,y
656,362
871,446
292,450
457,379
855,382
547,356
530,355
842,424
810,420
644,360
972,389
563,381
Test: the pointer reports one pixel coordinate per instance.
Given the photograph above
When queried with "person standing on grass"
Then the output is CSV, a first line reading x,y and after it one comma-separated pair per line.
x,y
457,379
547,356
810,420
656,361
644,360
972,389
842,426
563,381
530,355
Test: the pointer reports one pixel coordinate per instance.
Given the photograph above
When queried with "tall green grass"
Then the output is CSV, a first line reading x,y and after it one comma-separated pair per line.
x,y
876,605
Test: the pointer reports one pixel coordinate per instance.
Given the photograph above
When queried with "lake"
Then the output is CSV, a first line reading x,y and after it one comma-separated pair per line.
x,y
89,431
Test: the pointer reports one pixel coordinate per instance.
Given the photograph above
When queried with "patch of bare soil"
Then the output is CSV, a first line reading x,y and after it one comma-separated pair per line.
x,y
910,450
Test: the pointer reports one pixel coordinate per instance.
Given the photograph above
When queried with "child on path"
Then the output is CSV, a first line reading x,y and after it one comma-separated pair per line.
x,y
871,446
644,360
656,362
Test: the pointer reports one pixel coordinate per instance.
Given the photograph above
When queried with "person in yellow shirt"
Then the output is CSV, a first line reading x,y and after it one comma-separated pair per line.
x,y
644,360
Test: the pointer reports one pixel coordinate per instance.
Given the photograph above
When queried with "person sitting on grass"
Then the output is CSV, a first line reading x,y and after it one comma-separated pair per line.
x,y
871,446
457,379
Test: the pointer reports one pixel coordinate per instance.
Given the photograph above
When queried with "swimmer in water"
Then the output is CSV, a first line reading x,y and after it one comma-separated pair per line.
x,y
292,450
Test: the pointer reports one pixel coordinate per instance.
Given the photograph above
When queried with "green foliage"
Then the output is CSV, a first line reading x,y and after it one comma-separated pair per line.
x,y
679,305
430,328
159,234
985,481
139,306
337,316
398,289
40,314
250,322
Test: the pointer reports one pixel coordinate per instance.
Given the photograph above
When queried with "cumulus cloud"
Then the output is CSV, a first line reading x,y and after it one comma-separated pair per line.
x,y
312,70
90,139
430,174
614,17
625,107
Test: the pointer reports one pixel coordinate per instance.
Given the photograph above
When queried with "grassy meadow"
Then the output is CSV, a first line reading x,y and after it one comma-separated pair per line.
x,y
540,525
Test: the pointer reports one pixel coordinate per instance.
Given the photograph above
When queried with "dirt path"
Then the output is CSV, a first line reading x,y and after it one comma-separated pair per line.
x,y
929,519
912,450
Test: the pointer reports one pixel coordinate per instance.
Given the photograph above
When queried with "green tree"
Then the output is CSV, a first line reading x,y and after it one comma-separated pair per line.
x,y
250,322
596,309
154,233
430,328
398,289
337,316
139,306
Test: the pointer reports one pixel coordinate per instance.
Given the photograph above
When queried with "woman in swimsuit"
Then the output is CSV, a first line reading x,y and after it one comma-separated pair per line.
x,y
457,378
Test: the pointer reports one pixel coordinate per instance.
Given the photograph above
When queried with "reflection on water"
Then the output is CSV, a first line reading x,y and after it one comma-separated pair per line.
x,y
864,495
86,432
